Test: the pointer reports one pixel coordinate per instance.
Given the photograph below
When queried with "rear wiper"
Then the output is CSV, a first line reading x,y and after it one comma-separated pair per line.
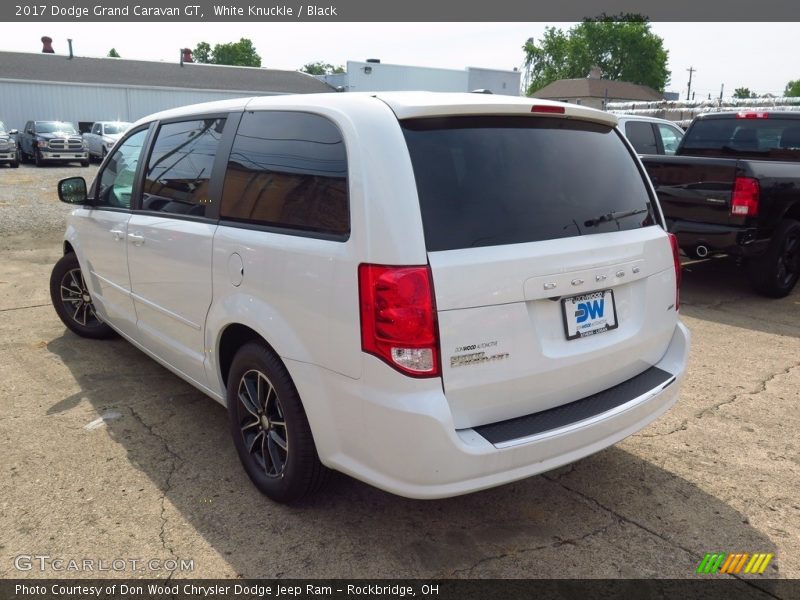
x,y
613,216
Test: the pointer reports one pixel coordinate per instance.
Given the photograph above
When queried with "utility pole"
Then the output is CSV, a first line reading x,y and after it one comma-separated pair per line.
x,y
689,89
721,89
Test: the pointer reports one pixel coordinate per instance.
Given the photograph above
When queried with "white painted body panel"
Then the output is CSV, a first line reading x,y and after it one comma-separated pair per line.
x,y
169,261
100,240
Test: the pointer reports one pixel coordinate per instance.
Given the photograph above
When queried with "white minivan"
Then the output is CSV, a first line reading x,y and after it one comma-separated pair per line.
x,y
433,293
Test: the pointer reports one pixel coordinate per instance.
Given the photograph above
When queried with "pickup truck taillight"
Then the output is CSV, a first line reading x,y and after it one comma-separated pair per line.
x,y
398,318
676,258
744,201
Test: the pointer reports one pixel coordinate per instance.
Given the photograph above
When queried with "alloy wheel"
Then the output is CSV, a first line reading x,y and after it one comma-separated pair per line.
x,y
262,423
77,300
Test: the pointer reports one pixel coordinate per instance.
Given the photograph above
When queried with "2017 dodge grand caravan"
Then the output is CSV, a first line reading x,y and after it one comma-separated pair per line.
x,y
433,293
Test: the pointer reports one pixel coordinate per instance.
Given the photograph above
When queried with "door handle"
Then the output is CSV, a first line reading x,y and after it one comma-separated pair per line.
x,y
118,235
136,238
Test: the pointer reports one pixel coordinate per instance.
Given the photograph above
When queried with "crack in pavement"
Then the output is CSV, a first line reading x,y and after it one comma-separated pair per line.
x,y
682,427
510,553
173,467
24,307
623,519
762,387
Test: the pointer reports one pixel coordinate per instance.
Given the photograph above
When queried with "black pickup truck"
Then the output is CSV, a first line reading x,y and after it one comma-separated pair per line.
x,y
43,141
733,187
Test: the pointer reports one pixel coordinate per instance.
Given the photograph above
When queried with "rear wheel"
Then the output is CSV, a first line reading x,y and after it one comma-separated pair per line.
x,y
776,272
73,302
269,427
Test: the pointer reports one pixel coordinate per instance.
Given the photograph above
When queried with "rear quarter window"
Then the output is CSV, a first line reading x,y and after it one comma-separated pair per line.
x,y
288,170
487,181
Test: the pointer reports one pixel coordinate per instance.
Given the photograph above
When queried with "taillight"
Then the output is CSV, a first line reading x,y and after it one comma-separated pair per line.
x,y
398,318
547,108
676,257
752,115
744,200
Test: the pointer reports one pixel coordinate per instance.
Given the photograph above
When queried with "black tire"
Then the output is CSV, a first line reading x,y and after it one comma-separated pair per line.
x,y
17,160
85,163
69,294
38,158
14,164
269,427
776,272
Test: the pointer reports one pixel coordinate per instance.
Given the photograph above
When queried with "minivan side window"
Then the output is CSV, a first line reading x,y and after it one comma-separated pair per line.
x,y
288,170
179,169
115,183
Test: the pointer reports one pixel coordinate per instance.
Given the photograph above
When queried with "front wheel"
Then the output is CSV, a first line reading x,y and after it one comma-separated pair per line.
x,y
269,427
776,272
85,163
72,300
38,158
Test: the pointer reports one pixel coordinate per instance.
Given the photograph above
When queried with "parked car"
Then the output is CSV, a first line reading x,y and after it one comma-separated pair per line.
x,y
650,135
733,187
57,141
433,293
103,136
9,153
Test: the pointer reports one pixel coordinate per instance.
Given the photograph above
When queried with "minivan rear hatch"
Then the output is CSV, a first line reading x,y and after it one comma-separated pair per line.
x,y
552,277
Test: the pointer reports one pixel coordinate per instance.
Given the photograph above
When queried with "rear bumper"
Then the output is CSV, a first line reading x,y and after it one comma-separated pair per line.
x,y
397,434
739,241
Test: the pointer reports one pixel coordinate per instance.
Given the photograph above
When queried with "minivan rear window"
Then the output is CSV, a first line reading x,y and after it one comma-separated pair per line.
x,y
488,181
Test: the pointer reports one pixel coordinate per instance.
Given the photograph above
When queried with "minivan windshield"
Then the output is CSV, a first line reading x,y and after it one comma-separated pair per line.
x,y
488,181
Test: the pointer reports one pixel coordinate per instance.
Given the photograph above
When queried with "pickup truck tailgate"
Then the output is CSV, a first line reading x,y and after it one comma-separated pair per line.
x,y
693,188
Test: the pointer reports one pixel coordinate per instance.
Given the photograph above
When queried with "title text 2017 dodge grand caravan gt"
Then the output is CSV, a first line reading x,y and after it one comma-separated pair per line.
x,y
434,293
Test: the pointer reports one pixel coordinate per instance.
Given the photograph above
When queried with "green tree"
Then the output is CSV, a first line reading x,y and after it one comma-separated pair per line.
x,y
743,92
792,88
202,53
623,46
113,53
241,53
321,68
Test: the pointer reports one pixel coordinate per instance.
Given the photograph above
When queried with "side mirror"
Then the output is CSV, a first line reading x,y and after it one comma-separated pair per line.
x,y
73,190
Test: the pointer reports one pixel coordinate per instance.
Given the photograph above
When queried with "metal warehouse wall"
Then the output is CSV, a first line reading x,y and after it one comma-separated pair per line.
x,y
499,82
377,77
22,102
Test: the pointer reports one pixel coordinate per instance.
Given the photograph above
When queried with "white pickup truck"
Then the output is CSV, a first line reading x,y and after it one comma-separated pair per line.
x,y
103,136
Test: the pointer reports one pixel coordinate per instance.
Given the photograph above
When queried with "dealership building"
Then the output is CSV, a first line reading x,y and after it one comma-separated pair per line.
x,y
83,90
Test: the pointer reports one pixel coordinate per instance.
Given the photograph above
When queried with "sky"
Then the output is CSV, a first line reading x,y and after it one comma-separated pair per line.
x,y
759,56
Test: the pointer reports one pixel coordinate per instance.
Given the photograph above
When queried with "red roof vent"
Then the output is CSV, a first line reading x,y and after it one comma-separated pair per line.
x,y
47,45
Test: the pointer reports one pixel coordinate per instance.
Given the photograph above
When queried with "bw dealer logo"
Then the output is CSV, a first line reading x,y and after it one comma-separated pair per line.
x,y
586,310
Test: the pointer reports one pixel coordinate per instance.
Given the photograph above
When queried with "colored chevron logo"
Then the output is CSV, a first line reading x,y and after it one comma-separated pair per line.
x,y
733,564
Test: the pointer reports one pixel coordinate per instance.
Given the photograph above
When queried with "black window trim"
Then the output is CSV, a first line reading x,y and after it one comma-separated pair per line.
x,y
216,177
283,229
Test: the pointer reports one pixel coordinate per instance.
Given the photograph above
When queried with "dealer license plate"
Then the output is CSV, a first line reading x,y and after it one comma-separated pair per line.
x,y
589,314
